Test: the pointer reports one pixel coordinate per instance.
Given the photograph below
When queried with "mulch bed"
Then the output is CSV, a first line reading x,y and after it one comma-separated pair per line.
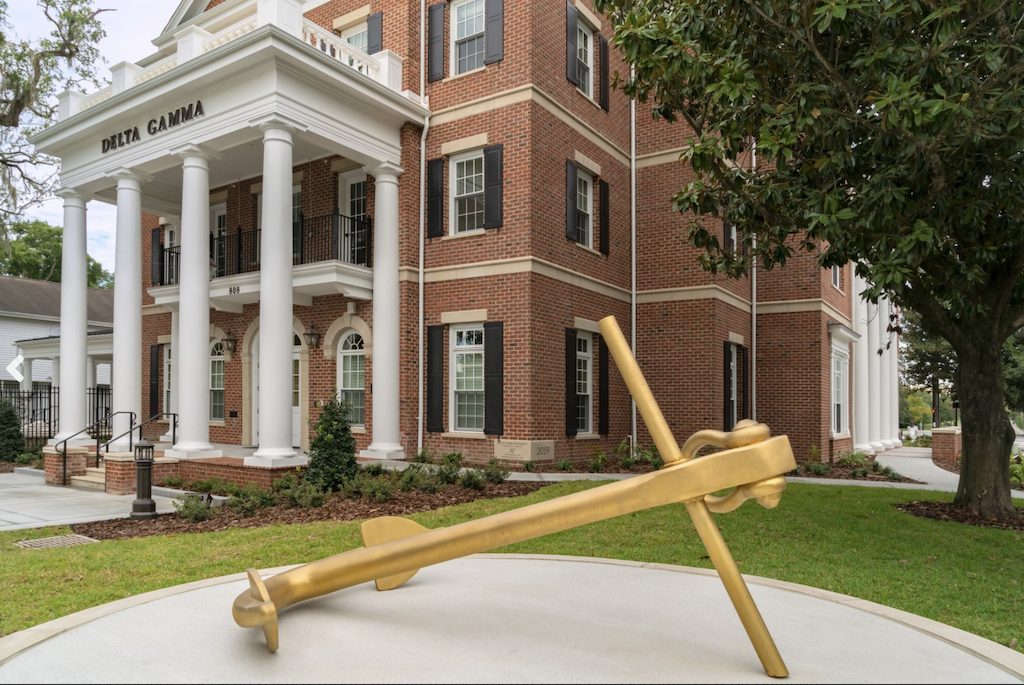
x,y
336,508
955,468
846,473
6,467
945,511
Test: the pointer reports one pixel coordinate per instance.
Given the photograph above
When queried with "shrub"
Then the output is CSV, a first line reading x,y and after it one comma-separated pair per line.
x,y
818,469
250,499
24,459
472,479
417,478
288,481
374,470
814,454
890,474
651,456
332,456
493,473
174,482
876,467
361,485
194,508
565,465
529,467
859,474
292,493
855,459
598,462
447,473
12,442
423,457
209,485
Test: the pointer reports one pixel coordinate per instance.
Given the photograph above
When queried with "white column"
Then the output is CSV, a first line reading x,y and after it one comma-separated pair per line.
x,y
387,438
55,372
192,350
874,378
90,372
275,392
861,399
894,380
885,382
127,366
74,306
26,372
172,407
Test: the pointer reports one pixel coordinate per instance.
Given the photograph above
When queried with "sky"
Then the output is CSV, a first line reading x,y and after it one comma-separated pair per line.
x,y
131,29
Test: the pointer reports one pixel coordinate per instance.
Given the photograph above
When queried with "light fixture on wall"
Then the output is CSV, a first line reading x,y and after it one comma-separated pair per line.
x,y
312,336
230,343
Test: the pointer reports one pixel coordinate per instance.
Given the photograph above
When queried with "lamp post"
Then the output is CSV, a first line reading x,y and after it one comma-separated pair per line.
x,y
143,507
312,336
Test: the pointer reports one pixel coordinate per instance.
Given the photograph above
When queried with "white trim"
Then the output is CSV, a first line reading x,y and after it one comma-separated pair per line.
x,y
339,369
453,61
582,175
588,357
453,163
589,33
452,352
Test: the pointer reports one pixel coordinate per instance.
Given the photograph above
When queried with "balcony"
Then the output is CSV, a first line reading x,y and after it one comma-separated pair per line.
x,y
331,254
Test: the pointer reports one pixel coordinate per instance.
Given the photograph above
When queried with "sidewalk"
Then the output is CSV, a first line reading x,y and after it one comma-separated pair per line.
x,y
27,502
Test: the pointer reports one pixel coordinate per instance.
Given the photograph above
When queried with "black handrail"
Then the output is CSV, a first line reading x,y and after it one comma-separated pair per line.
x,y
64,442
131,433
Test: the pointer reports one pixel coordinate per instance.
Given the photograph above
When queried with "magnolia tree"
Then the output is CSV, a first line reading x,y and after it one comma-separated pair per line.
x,y
887,132
32,73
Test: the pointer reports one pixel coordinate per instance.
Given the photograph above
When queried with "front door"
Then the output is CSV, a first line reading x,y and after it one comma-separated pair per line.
x,y
296,394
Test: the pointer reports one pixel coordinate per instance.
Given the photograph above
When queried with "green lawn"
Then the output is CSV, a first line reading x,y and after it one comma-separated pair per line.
x,y
850,540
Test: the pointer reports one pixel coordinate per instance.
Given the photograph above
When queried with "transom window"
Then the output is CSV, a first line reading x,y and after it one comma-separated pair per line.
x,y
468,35
585,59
840,365
467,369
217,381
352,377
585,209
468,193
584,382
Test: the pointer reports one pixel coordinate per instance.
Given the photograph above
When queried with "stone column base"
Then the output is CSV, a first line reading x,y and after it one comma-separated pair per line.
x,y
55,465
277,462
382,454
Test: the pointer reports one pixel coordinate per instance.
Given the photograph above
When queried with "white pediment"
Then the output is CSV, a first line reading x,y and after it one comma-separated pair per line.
x,y
187,10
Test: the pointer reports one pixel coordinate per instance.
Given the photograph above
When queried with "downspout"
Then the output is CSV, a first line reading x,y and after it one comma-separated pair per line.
x,y
753,306
423,229
633,201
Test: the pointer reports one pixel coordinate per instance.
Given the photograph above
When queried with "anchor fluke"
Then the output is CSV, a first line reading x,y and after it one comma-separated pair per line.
x,y
389,529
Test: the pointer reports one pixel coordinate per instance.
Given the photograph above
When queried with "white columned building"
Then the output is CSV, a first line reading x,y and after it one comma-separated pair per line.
x,y
386,432
194,306
74,306
861,395
874,381
275,391
127,367
885,428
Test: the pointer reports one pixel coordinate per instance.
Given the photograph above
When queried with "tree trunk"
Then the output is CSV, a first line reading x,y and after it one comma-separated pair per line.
x,y
984,487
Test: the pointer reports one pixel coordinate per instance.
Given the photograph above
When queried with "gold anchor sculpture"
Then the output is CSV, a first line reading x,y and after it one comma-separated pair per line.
x,y
752,463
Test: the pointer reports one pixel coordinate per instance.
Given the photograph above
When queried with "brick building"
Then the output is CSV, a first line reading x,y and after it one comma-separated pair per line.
x,y
456,195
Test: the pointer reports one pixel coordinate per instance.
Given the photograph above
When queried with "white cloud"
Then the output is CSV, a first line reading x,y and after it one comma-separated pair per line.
x,y
131,29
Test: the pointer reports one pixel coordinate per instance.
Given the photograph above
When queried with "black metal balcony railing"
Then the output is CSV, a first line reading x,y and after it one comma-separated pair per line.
x,y
333,237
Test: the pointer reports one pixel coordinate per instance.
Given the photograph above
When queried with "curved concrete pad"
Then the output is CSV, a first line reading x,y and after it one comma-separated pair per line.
x,y
501,618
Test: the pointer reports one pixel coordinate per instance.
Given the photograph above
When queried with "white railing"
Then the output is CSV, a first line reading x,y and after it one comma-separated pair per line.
x,y
155,71
332,45
231,33
100,96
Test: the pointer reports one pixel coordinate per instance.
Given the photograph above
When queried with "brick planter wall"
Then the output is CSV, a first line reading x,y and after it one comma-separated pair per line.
x,y
232,471
947,445
121,478
54,469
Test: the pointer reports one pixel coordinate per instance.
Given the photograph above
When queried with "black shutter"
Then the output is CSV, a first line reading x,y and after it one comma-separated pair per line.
x,y
727,241
571,232
494,186
375,33
157,259
745,369
435,379
154,380
604,192
494,31
435,198
435,42
727,421
494,378
603,381
570,382
604,86
572,22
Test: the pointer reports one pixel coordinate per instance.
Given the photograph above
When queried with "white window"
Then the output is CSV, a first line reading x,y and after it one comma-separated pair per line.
x,y
168,350
356,36
467,378
584,383
585,59
585,209
218,246
352,377
296,371
835,276
467,191
467,35
840,391
217,381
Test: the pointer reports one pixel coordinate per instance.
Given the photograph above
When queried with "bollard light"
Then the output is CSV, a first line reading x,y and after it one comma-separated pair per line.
x,y
144,507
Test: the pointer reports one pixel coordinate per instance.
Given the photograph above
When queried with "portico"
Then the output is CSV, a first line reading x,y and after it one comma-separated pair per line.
x,y
250,96
876,425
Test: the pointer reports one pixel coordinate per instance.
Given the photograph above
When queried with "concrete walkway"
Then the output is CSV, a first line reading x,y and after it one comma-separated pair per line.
x,y
507,619
27,502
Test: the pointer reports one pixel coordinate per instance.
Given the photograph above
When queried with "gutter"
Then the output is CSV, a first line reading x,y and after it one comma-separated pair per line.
x,y
633,202
753,308
423,227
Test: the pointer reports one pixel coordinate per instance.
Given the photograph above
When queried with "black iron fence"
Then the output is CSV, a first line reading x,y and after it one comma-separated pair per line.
x,y
97,408
37,409
319,239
